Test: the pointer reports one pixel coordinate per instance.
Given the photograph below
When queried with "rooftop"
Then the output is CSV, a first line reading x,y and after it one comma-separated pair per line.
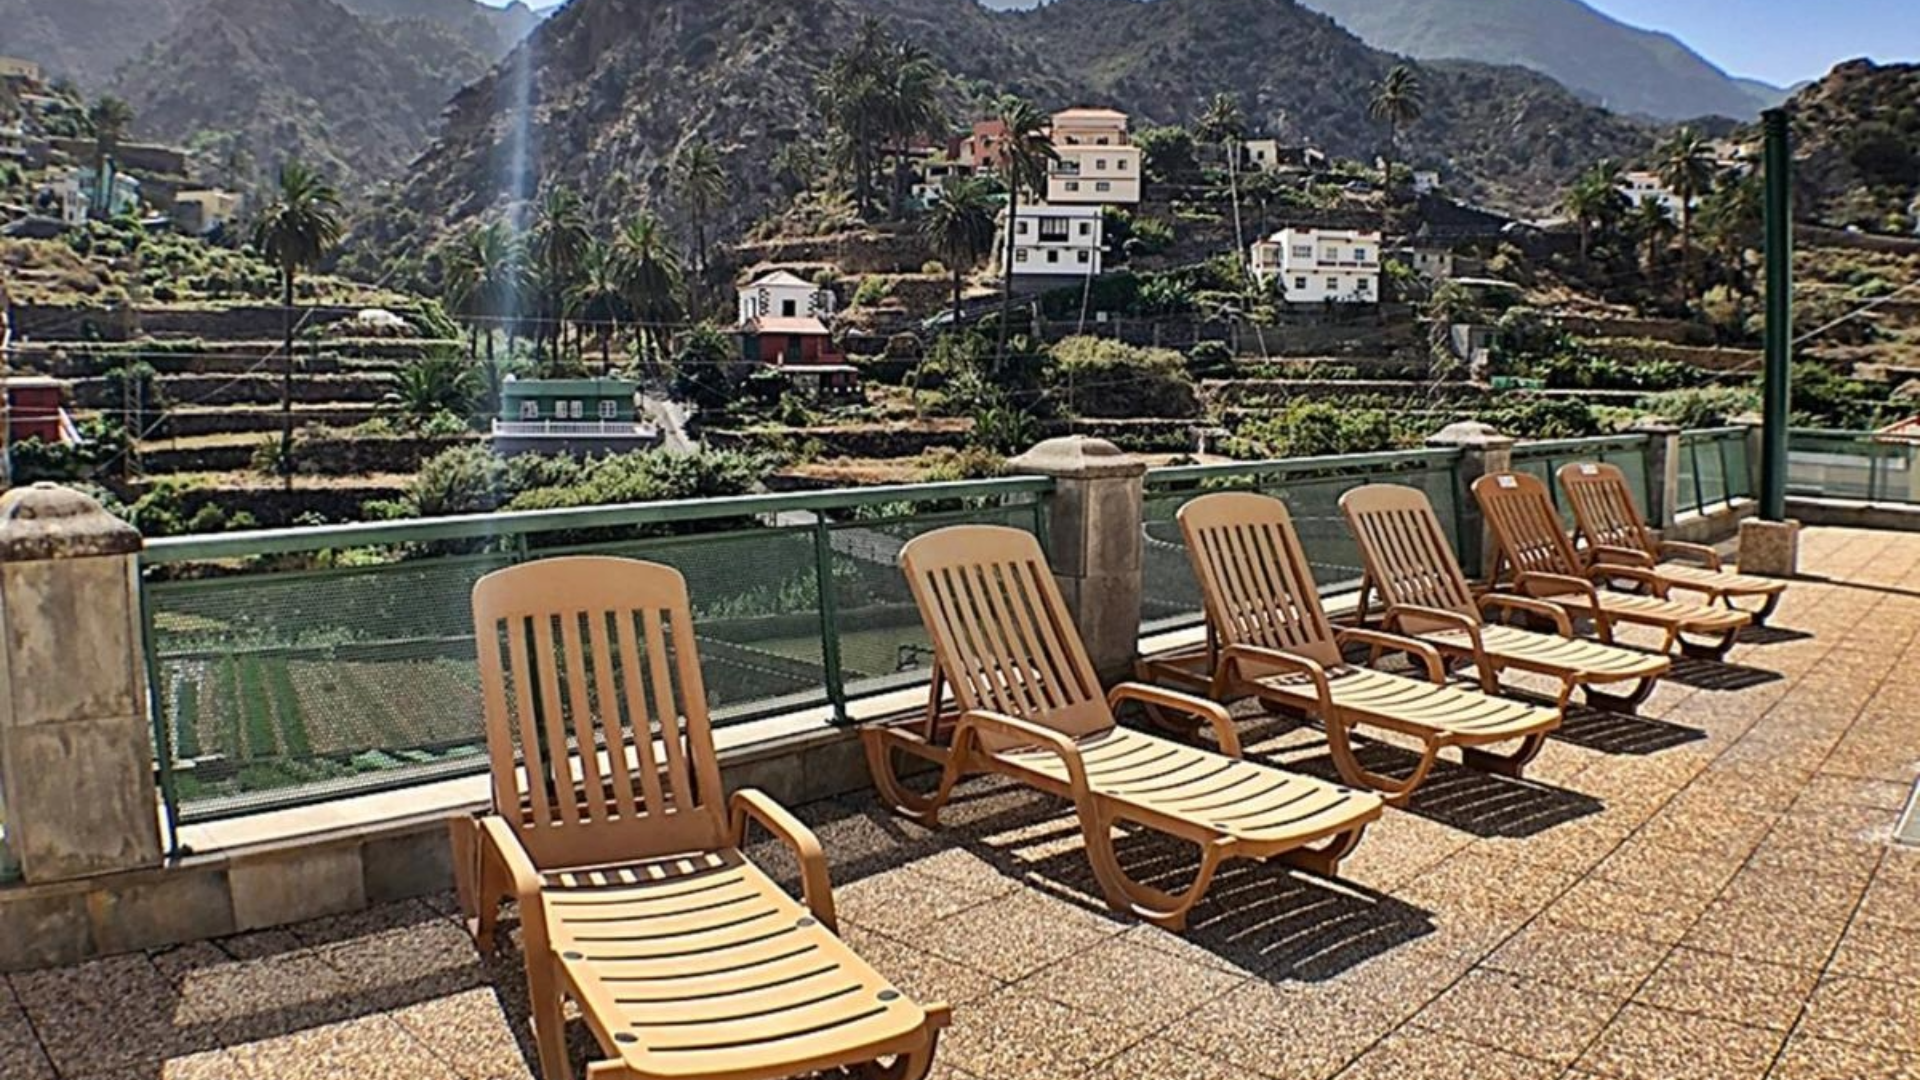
x,y
1706,890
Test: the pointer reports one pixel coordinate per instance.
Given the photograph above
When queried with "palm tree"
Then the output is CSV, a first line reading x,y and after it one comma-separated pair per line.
x,y
559,243
1686,169
700,183
959,227
853,99
1595,202
910,93
1733,218
432,386
1026,155
109,117
1398,100
599,297
295,231
1651,223
486,279
650,279
1224,123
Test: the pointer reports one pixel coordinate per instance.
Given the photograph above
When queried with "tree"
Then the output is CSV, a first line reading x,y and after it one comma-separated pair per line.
x,y
486,279
1225,124
1686,168
1733,219
558,245
109,118
1595,202
700,184
959,228
295,231
853,98
430,387
911,96
651,282
1026,155
1398,101
599,297
1652,226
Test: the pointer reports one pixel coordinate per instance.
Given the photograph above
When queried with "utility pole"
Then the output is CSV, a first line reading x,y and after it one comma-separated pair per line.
x,y
1776,389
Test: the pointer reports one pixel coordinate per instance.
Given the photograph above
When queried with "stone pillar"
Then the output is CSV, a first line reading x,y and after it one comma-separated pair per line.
x,y
1663,471
76,746
1483,450
1770,548
1094,533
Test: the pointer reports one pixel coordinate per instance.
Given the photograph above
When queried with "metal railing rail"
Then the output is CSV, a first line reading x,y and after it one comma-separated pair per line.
x,y
1830,463
1709,452
1545,457
294,665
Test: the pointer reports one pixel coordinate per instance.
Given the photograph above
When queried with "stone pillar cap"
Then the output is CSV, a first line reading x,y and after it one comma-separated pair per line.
x,y
1079,457
46,521
1472,434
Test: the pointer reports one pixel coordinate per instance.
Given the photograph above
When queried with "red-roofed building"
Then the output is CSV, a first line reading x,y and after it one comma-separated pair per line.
x,y
803,348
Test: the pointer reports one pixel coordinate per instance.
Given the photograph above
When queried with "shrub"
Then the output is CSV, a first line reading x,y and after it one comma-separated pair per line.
x,y
873,290
1313,429
1702,406
1114,380
1210,360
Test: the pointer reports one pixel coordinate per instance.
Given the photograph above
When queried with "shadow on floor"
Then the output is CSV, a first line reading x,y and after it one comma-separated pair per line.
x,y
1719,674
1622,733
1770,635
1467,799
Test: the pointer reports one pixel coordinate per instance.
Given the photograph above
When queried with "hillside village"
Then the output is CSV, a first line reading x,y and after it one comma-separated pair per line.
x,y
1194,290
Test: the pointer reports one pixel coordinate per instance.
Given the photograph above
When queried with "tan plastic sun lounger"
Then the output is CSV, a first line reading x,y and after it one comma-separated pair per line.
x,y
1615,532
1541,562
615,837
1030,708
1269,636
1412,566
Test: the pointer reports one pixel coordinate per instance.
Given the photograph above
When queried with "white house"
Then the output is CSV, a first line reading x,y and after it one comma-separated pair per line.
x,y
1053,242
932,176
12,67
781,295
1426,181
1098,165
1643,185
1315,266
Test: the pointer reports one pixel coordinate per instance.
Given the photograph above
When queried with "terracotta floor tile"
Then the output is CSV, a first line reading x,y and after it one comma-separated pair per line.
x,y
906,902
921,975
368,1048
203,1065
473,1031
1596,962
1757,930
1289,1031
1808,1058
1725,988
1490,1008
1655,869
1011,1034
1158,1060
1133,985
1853,1010
1017,934
1882,951
1598,904
1652,1044
20,1055
1425,1055
106,1014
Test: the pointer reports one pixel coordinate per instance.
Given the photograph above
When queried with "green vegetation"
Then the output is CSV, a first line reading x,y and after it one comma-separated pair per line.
x,y
299,228
1112,380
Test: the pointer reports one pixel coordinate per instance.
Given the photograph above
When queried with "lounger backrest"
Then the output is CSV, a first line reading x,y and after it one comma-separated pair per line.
x,y
1603,506
1000,629
584,661
1406,552
1253,573
1520,512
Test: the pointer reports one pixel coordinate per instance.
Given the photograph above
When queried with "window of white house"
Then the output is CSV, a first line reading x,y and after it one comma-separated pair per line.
x,y
1366,285
1053,256
1331,254
529,410
788,309
1073,185
1099,164
1053,230
1102,185
1086,227
1122,164
1019,254
1359,254
608,410
1084,255
1303,251
1300,284
1333,284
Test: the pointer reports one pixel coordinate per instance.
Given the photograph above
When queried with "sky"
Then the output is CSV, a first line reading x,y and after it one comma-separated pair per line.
x,y
1781,41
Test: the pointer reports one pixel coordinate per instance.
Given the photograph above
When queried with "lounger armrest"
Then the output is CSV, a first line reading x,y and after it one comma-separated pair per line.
x,y
1542,608
1211,712
816,887
1699,553
1043,737
1233,656
1641,575
1413,647
1610,555
1547,586
1467,624
505,845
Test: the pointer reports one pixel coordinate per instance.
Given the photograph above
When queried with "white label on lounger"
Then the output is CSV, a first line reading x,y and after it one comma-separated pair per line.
x,y
1507,482
1589,470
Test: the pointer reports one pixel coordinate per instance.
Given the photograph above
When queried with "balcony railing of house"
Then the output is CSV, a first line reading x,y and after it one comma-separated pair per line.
x,y
565,428
1715,469
1543,460
295,665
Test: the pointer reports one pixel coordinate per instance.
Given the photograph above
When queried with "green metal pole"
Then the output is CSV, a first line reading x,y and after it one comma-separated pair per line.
x,y
1776,391
829,618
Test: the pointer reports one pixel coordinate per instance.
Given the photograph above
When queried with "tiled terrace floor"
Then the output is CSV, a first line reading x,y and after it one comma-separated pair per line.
x,y
1704,892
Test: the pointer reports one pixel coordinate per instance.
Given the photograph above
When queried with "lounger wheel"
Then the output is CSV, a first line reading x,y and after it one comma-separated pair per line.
x,y
1628,703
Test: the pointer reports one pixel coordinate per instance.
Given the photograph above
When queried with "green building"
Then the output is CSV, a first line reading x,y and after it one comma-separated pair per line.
x,y
575,416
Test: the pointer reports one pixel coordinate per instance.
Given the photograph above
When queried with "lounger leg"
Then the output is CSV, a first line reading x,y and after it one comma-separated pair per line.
x,y
1396,792
1504,764
548,1015
1628,704
1715,649
1325,859
1163,909
880,744
913,1066
1762,613
463,837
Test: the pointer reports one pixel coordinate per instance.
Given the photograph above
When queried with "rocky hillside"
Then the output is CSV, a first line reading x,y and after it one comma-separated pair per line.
x,y
615,86
1858,134
354,96
1622,67
89,41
